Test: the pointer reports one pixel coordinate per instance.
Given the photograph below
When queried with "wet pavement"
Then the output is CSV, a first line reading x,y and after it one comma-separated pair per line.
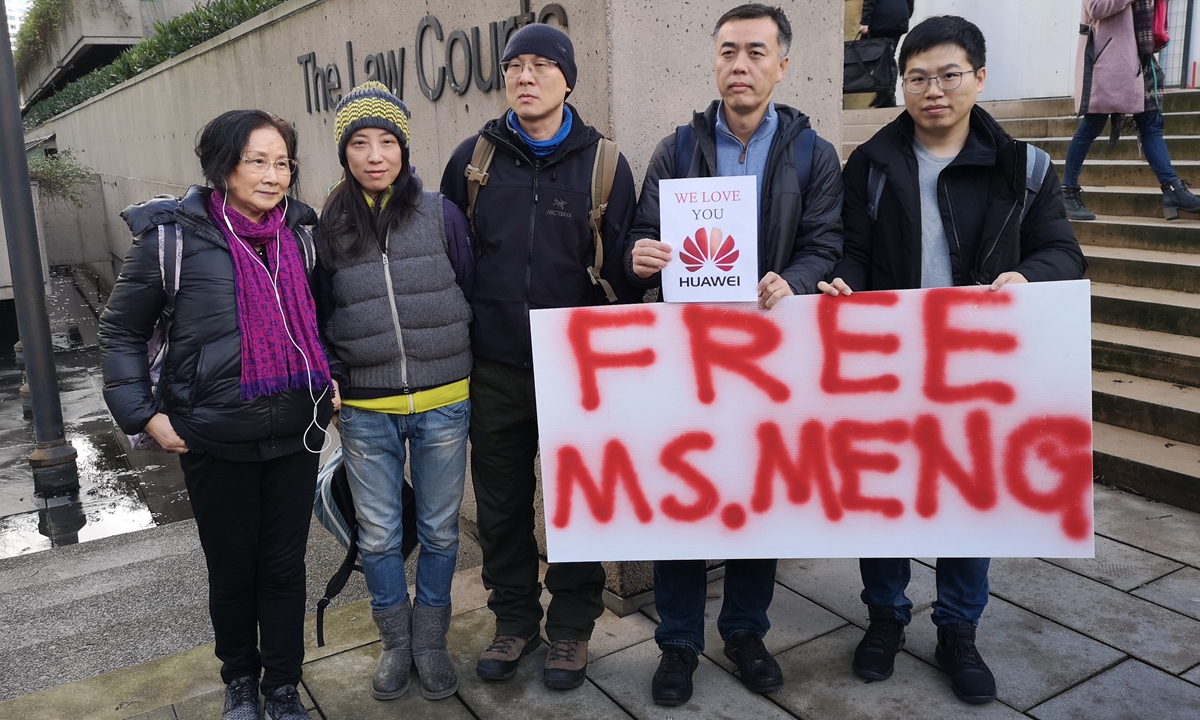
x,y
120,491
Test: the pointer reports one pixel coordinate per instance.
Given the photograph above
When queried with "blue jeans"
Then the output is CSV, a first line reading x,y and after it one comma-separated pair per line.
x,y
962,588
679,596
1150,127
373,444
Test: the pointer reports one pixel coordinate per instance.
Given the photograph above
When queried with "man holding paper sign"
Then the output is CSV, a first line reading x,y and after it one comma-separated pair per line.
x,y
799,189
944,197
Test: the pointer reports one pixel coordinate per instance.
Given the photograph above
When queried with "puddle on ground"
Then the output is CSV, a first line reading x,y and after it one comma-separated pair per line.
x,y
110,500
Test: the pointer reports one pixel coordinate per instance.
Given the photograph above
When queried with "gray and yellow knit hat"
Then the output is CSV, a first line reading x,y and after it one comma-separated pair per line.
x,y
369,105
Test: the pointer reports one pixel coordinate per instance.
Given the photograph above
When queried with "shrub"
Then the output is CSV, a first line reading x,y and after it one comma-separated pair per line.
x,y
60,176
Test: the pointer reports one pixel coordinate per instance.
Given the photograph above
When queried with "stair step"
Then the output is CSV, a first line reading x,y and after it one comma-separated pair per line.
x,y
1125,201
1179,147
1180,236
1143,268
1147,464
1169,410
1146,353
1174,123
1132,172
1166,311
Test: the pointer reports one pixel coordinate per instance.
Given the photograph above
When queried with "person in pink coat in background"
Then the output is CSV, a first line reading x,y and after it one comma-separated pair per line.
x,y
1117,75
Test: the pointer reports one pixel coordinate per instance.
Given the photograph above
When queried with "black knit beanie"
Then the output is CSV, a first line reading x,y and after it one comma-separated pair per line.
x,y
547,41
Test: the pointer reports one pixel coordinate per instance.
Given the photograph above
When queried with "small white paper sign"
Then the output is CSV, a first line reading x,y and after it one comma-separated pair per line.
x,y
711,225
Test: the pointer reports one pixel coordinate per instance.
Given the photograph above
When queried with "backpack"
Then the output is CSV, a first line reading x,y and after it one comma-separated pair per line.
x,y
333,505
604,172
1037,166
802,152
1160,30
170,261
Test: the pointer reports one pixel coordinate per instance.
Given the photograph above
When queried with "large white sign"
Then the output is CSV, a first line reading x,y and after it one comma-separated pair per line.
x,y
952,422
711,225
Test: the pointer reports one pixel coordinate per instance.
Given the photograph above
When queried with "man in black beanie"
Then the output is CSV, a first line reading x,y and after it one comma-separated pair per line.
x,y
529,207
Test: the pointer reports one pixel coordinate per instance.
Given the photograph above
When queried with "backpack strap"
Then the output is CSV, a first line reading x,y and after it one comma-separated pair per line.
x,y
685,148
802,153
604,172
875,182
1037,167
308,249
170,259
477,175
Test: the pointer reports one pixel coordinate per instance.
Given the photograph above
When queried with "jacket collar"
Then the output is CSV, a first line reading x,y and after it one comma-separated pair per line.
x,y
986,140
704,124
581,136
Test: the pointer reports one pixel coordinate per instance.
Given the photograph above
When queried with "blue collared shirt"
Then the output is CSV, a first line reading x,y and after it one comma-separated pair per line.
x,y
733,158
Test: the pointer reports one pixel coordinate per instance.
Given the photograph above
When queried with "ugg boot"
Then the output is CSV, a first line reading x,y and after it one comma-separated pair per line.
x,y
1176,197
395,663
434,666
1073,202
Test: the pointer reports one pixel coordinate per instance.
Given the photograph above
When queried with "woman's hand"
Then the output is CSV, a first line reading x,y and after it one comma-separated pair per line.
x,y
337,396
160,429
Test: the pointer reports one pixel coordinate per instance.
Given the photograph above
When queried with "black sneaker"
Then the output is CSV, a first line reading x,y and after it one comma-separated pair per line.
x,y
760,672
672,684
241,699
283,703
875,656
969,675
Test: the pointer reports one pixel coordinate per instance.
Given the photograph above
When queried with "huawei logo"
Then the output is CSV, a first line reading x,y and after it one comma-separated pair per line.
x,y
709,245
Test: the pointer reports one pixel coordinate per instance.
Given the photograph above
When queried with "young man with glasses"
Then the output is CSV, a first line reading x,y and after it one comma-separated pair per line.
x,y
800,238
534,249
943,196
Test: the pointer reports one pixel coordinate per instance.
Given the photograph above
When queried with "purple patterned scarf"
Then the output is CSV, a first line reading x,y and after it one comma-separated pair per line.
x,y
270,362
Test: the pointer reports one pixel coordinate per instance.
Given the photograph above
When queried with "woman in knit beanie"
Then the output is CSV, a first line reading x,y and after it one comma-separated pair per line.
x,y
398,267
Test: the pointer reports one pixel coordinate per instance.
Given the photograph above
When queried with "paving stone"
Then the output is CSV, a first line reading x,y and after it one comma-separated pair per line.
x,y
1130,624
1130,690
836,585
625,676
341,686
1119,565
1179,591
524,696
163,713
820,685
1193,675
1032,658
1158,528
201,707
794,620
346,627
467,592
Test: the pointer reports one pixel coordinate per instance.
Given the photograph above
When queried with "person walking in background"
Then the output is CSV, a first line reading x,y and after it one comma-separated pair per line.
x,y
885,19
244,391
1117,75
536,249
396,265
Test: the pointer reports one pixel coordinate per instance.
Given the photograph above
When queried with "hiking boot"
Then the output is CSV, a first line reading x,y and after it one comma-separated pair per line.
x,y
395,662
1176,197
1073,202
241,699
875,656
969,675
760,672
283,703
566,665
672,684
500,659
434,666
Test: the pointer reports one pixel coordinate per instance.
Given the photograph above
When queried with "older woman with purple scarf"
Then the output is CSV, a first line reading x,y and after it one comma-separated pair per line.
x,y
244,393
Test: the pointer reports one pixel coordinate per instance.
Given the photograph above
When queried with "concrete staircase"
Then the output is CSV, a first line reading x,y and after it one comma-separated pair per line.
x,y
1145,274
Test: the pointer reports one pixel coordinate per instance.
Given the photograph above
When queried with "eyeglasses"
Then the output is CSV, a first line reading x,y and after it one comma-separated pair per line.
x,y
259,165
946,81
540,68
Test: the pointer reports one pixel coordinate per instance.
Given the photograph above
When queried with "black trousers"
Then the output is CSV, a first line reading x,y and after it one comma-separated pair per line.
x,y
253,519
504,442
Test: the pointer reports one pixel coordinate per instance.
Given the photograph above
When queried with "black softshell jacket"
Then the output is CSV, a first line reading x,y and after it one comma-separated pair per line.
x,y
201,380
799,234
533,241
981,196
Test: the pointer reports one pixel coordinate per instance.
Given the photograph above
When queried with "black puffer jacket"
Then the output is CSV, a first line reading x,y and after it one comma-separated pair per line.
x,y
981,195
799,234
533,242
201,380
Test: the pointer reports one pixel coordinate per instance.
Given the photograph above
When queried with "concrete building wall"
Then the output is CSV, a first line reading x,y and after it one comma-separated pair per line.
x,y
75,235
139,136
88,22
